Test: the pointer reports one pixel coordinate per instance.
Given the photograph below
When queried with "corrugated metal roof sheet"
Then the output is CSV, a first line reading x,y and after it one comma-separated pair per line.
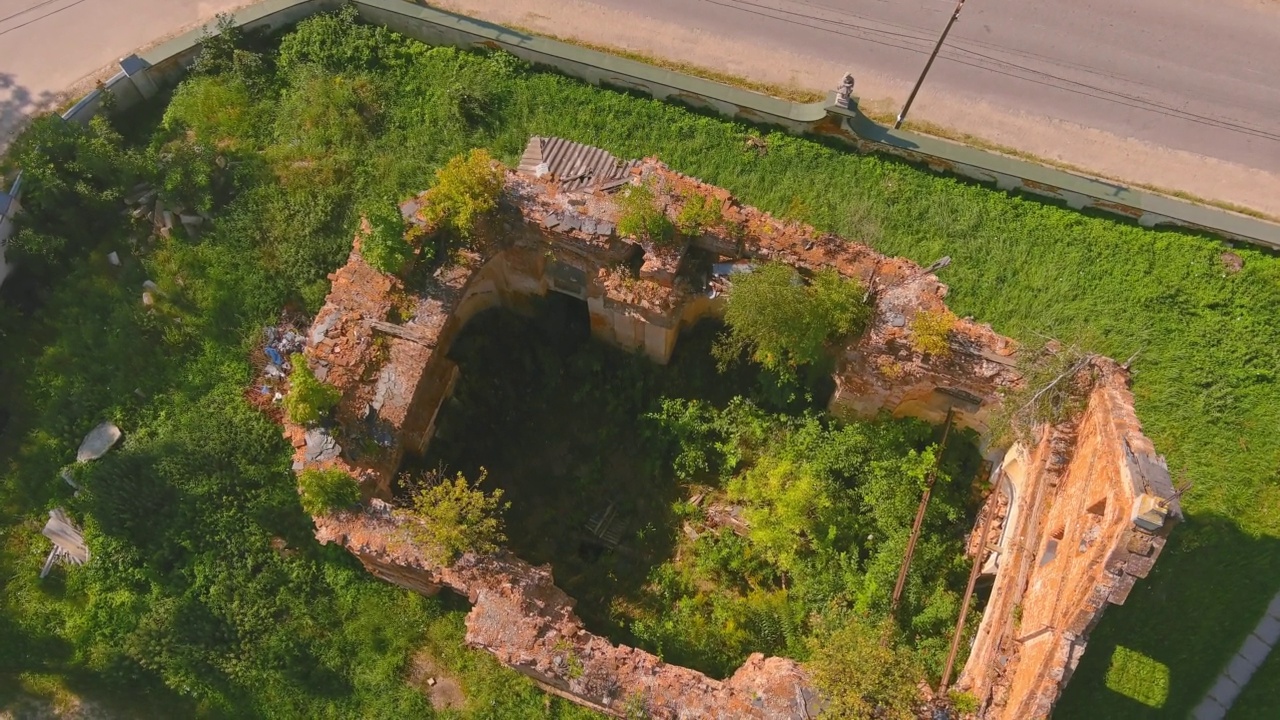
x,y
573,165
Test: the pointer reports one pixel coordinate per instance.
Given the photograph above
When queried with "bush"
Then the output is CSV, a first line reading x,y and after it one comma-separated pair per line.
x,y
325,491
641,217
466,188
74,179
930,332
698,213
308,399
785,323
384,246
862,678
447,518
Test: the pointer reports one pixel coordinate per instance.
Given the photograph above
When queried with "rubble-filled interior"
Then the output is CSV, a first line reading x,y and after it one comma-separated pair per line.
x,y
1076,515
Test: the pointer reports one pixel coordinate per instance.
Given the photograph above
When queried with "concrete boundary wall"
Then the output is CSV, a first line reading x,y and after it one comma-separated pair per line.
x,y
141,77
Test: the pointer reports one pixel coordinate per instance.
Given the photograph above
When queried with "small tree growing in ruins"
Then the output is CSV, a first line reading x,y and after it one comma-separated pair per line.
x,y
447,518
862,676
325,491
385,247
786,323
641,216
466,189
931,330
308,399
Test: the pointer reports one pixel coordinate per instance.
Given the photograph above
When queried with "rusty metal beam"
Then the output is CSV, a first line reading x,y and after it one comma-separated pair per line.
x,y
915,527
978,557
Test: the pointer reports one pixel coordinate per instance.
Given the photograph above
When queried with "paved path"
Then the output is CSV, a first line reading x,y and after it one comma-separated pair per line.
x,y
1243,665
1184,74
48,46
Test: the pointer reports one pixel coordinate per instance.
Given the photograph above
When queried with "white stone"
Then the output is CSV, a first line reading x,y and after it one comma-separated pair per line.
x,y
98,442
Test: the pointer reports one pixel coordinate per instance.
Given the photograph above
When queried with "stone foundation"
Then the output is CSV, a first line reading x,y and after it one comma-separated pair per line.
x,y
1079,516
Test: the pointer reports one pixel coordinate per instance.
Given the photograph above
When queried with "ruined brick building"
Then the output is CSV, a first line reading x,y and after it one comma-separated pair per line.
x,y
1079,512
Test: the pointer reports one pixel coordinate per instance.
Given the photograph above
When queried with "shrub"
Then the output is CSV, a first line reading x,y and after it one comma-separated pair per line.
x,y
1051,391
963,702
324,491
785,323
930,330
384,246
641,217
217,110
73,180
308,399
862,678
447,518
698,213
466,188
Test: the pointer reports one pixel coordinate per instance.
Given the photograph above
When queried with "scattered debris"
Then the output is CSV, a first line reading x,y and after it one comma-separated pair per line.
x,y
114,258
98,442
321,447
1232,262
604,526
68,541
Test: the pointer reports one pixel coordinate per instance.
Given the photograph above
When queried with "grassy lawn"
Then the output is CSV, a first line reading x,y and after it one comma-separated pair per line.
x,y
171,501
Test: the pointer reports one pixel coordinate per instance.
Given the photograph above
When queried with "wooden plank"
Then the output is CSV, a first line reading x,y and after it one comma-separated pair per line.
x,y
402,332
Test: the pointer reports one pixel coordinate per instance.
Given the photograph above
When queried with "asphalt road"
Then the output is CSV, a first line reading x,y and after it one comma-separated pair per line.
x,y
48,45
1195,75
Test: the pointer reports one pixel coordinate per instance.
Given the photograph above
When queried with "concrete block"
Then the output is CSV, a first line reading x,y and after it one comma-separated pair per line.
x,y
1274,609
1209,709
1240,669
1255,650
658,342
1268,630
135,68
1224,691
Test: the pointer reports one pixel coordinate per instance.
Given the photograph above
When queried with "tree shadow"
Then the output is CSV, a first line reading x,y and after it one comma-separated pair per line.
x,y
18,105
1158,654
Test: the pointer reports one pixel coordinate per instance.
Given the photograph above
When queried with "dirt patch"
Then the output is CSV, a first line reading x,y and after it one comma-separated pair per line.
x,y
444,690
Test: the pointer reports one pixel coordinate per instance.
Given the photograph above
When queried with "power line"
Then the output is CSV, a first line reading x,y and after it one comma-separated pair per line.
x,y
917,44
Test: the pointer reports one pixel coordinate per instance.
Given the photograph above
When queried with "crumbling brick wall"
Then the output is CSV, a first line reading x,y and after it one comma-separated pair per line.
x,y
1090,523
520,616
1079,515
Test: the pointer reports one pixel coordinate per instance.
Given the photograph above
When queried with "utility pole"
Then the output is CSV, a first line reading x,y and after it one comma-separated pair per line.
x,y
942,38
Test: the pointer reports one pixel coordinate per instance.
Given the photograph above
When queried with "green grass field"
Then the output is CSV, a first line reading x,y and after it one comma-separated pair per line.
x,y
1207,343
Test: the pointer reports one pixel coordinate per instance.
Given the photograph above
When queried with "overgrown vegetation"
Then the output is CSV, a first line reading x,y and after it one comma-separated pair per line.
x,y
931,332
890,693
466,190
448,517
785,322
641,216
326,491
659,459
698,213
308,399
187,610
385,247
